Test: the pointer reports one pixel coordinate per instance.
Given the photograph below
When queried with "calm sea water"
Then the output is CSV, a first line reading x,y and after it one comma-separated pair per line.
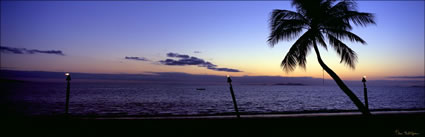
x,y
135,99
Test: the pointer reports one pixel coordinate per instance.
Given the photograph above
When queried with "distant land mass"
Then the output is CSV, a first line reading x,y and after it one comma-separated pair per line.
x,y
191,79
289,84
278,84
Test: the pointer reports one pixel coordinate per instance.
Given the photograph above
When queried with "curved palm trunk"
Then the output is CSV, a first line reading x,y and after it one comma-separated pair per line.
x,y
341,84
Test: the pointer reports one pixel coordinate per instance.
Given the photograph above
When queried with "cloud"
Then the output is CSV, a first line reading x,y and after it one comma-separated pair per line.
x,y
177,55
137,58
58,52
11,50
190,60
26,51
196,52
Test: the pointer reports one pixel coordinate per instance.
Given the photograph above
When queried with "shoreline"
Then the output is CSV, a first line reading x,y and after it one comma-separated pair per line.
x,y
227,114
260,116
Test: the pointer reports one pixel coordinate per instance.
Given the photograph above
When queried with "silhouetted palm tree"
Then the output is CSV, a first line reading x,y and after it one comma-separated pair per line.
x,y
320,19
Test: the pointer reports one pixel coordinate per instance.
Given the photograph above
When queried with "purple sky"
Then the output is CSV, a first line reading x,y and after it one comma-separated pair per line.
x,y
97,36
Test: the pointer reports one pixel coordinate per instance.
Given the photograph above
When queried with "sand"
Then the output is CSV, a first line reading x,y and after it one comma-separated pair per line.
x,y
391,123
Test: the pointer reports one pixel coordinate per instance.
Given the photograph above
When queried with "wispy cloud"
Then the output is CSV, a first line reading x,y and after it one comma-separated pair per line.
x,y
190,60
136,58
29,51
177,55
196,52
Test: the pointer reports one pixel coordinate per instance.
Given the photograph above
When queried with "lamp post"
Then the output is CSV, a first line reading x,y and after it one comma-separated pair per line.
x,y
365,92
68,79
233,96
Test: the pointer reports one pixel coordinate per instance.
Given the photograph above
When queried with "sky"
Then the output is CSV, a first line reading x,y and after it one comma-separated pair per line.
x,y
196,37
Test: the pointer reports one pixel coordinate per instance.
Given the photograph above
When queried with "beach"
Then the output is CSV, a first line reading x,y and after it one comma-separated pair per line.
x,y
390,123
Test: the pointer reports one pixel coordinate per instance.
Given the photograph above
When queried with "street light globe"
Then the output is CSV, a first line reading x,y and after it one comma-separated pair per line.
x,y
364,76
67,74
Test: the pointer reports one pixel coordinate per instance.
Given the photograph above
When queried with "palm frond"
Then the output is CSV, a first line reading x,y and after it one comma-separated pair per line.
x,y
321,40
285,25
297,53
284,15
360,18
289,63
345,11
304,48
283,34
327,4
342,6
348,56
343,34
336,23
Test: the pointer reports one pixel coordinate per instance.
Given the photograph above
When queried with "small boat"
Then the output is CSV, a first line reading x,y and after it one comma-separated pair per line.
x,y
200,88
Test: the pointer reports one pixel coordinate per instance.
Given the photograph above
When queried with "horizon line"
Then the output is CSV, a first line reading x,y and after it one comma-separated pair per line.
x,y
390,78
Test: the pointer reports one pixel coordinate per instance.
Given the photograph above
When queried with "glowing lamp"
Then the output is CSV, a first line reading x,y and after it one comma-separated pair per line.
x,y
68,76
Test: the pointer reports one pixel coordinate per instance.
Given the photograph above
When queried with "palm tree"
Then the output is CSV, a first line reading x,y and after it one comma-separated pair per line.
x,y
320,19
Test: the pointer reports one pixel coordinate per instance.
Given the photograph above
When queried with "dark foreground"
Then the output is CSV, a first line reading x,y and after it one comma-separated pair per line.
x,y
389,124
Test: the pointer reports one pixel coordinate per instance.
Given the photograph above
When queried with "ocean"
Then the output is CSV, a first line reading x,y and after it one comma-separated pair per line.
x,y
134,99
